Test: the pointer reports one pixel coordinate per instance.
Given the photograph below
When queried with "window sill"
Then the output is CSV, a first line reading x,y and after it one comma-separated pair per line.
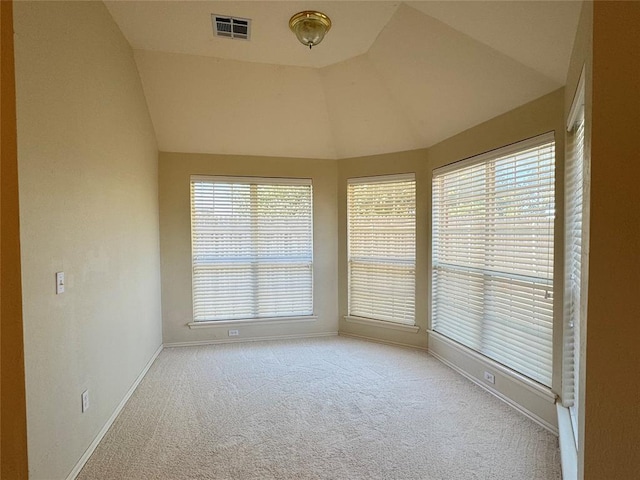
x,y
253,321
568,451
382,324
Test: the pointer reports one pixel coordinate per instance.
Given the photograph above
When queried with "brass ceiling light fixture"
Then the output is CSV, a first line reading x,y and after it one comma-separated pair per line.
x,y
310,27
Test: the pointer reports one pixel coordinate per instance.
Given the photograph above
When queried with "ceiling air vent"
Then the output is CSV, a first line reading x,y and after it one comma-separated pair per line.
x,y
230,27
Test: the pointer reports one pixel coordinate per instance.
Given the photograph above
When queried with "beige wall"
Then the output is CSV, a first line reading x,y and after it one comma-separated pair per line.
x,y
612,396
13,438
542,115
88,193
89,207
175,170
414,161
330,180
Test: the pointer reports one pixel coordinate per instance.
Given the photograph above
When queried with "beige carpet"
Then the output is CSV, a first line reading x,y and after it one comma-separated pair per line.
x,y
326,408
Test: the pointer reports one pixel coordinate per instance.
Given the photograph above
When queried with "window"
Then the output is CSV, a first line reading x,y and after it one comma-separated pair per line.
x,y
381,214
251,241
492,255
576,257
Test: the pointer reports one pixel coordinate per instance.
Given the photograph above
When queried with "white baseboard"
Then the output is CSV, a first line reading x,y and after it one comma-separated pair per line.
x,y
527,413
385,342
248,339
76,470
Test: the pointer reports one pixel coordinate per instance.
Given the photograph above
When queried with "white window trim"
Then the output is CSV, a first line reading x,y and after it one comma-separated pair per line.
x,y
568,426
568,449
577,107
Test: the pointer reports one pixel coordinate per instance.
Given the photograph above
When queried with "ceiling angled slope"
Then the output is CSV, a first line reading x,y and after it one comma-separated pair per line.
x,y
538,33
444,80
364,118
211,105
403,81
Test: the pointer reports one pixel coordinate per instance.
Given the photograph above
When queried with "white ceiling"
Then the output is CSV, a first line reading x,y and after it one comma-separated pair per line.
x,y
185,27
389,76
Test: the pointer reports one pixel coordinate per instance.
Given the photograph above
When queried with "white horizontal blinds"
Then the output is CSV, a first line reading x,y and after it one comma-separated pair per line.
x,y
576,254
381,243
492,255
574,185
251,247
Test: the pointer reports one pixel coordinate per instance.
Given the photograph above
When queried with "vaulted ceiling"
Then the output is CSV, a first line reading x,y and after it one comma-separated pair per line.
x,y
389,76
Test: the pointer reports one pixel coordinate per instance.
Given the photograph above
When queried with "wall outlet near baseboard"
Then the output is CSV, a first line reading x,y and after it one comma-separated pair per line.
x,y
85,401
234,333
489,377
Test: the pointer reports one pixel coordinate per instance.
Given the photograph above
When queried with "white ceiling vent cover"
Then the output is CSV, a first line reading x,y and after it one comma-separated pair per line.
x,y
231,27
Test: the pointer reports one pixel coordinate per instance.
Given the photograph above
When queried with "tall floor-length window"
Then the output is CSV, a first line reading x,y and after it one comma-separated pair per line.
x,y
492,255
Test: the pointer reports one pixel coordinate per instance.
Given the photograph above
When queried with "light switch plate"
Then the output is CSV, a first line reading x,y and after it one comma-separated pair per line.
x,y
59,283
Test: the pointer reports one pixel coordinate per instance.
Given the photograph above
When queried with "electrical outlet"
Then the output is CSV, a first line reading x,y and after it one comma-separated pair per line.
x,y
234,333
489,377
85,401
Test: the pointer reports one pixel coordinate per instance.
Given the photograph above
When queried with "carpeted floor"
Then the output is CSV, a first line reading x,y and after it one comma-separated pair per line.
x,y
326,408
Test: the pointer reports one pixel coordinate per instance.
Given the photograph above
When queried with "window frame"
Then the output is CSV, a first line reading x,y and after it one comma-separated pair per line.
x,y
543,376
371,317
254,258
571,368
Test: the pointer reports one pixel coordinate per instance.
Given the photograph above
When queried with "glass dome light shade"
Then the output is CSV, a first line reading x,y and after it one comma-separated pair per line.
x,y
310,27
